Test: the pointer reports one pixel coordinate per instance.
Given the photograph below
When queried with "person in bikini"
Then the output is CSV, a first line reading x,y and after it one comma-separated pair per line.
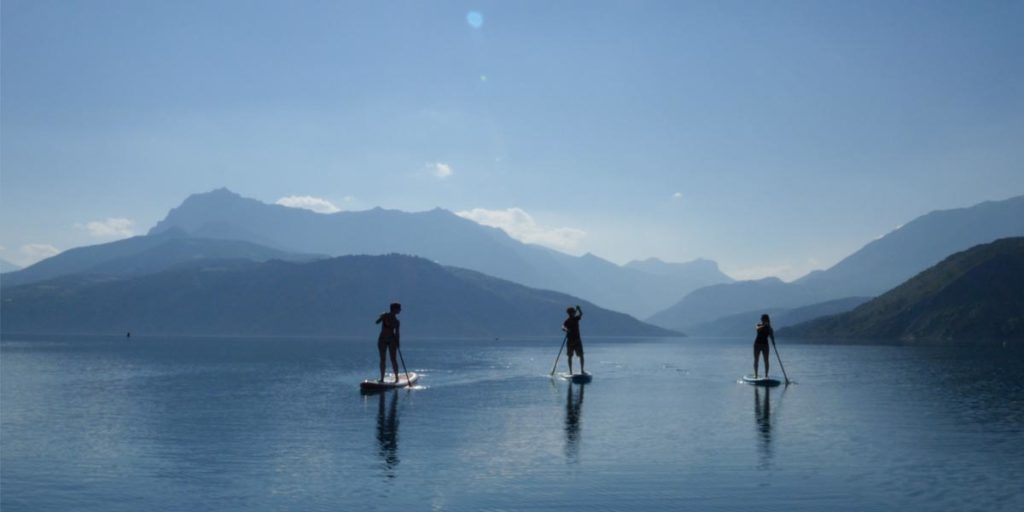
x,y
574,343
764,332
389,338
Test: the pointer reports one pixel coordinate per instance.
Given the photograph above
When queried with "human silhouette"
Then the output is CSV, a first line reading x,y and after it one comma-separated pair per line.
x,y
574,343
389,338
764,331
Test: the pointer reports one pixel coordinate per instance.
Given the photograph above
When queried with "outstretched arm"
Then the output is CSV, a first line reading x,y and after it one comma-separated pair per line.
x,y
579,311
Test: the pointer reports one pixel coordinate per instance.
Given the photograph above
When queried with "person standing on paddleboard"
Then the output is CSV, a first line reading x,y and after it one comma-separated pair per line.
x,y
764,331
389,338
574,343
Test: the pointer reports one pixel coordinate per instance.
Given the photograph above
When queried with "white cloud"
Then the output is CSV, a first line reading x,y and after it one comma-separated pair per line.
x,y
677,196
315,204
521,226
32,253
441,170
114,227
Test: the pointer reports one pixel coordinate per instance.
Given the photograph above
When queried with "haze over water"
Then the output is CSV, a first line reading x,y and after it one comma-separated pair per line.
x,y
279,424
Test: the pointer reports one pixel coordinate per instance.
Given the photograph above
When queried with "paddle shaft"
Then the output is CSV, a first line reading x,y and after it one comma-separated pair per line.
x,y
402,358
777,356
559,355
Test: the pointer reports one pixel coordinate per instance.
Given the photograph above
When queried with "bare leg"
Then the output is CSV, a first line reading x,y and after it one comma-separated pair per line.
x,y
764,353
755,360
570,363
581,363
383,360
394,360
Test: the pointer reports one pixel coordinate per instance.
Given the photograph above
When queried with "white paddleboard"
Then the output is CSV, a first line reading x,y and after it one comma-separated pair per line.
x,y
578,378
390,382
760,381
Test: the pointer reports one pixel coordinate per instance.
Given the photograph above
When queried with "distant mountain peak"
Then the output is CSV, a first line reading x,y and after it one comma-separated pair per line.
x,y
437,234
217,193
707,269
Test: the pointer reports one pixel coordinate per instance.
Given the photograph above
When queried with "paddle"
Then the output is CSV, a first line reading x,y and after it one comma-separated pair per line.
x,y
559,354
777,356
409,382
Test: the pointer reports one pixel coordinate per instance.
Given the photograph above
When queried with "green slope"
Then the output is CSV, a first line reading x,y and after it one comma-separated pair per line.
x,y
972,296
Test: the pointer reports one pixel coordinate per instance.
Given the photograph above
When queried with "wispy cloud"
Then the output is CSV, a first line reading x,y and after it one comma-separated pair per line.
x,y
315,204
677,196
521,226
440,170
32,253
114,227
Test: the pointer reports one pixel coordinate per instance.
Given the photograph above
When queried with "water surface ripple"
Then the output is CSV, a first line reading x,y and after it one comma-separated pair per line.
x,y
94,424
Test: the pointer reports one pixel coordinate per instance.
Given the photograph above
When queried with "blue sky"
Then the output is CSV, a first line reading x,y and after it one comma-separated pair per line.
x,y
772,137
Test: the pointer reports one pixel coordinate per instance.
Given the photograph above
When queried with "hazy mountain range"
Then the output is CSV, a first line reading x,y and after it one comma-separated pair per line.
x,y
144,255
974,295
326,297
271,231
879,266
222,230
442,236
742,324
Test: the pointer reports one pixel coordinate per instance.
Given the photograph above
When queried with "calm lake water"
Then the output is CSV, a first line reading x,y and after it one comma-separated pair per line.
x,y
279,424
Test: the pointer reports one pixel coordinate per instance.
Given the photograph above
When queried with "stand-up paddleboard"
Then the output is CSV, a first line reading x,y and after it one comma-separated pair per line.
x,y
389,382
760,381
578,378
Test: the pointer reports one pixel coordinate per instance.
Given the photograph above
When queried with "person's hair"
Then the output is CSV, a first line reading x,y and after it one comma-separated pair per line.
x,y
395,306
570,310
765,319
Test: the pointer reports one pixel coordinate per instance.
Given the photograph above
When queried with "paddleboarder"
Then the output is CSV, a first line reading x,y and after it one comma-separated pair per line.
x,y
764,332
574,343
389,338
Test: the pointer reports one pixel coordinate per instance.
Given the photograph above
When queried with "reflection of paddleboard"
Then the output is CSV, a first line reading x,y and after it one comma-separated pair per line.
x,y
389,382
760,381
578,378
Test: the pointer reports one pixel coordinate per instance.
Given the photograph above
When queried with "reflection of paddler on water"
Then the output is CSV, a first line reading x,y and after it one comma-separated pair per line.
x,y
764,331
763,412
763,423
573,411
574,343
388,340
387,430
